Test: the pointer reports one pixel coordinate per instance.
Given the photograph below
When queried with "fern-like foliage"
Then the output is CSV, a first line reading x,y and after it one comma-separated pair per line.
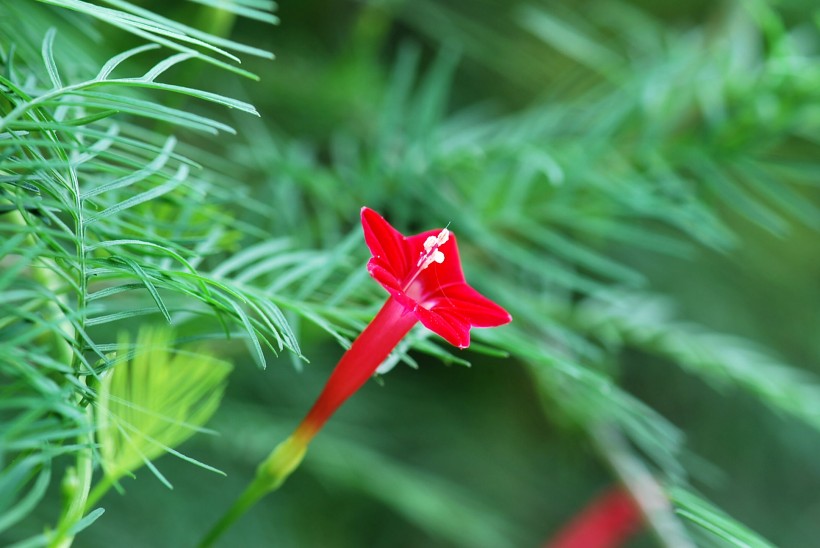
x,y
105,223
123,203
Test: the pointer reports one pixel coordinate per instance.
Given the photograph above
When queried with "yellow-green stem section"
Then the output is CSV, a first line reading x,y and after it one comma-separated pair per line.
x,y
270,475
77,491
44,274
77,481
100,489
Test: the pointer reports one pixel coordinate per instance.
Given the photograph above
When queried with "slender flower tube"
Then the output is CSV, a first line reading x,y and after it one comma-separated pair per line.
x,y
423,276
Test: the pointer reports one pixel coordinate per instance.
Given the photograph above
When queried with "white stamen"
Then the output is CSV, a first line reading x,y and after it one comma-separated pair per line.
x,y
443,236
431,253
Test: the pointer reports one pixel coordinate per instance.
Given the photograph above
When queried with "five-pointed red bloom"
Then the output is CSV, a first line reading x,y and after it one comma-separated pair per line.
x,y
423,272
423,275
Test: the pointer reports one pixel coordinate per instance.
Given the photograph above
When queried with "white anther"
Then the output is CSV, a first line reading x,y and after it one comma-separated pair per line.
x,y
431,253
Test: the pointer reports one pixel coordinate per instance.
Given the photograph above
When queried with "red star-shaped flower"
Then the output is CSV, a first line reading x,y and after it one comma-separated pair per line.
x,y
423,275
423,272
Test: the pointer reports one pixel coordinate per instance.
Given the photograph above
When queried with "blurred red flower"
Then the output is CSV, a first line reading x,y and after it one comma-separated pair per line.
x,y
606,523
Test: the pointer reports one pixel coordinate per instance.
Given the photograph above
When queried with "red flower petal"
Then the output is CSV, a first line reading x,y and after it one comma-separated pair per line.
x,y
385,242
448,326
382,274
474,307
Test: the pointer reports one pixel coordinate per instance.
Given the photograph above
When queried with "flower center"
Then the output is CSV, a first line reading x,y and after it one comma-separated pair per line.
x,y
430,255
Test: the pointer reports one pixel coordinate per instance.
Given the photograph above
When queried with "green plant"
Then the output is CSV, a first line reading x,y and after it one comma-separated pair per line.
x,y
608,155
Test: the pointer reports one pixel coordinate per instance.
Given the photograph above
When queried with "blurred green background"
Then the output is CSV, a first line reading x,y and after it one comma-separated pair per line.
x,y
445,455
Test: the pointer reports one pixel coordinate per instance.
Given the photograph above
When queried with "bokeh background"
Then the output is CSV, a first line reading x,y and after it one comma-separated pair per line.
x,y
672,147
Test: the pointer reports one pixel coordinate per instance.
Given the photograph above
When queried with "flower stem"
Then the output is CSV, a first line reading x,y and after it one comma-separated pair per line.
x,y
43,272
77,479
270,475
357,365
100,489
252,494
76,486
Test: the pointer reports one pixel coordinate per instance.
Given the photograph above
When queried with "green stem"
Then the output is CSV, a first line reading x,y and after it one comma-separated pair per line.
x,y
43,273
270,475
100,489
78,498
255,491
77,481
77,487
